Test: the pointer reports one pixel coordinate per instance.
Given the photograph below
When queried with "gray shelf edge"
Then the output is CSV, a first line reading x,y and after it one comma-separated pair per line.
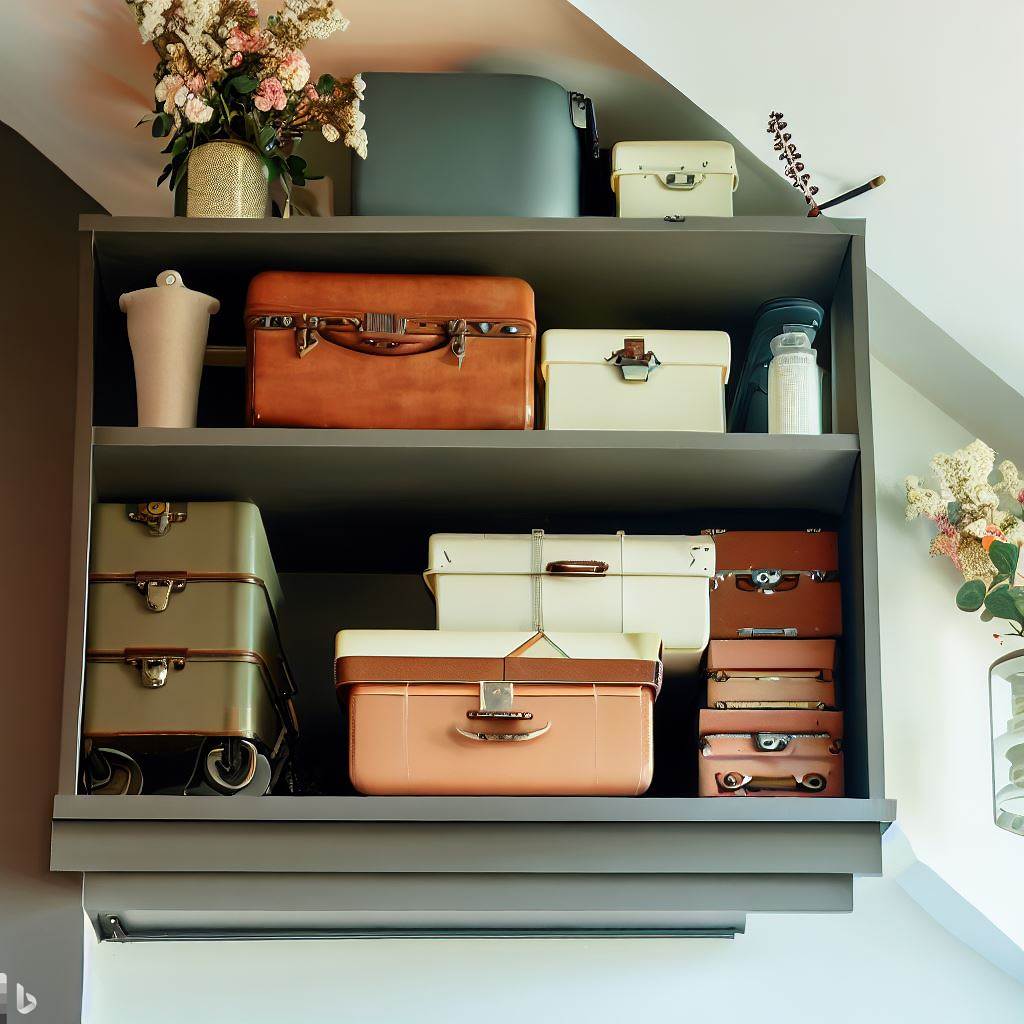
x,y
544,440
427,810
818,226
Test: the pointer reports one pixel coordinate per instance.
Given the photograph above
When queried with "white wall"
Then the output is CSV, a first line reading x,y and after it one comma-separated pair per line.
x,y
888,961
934,670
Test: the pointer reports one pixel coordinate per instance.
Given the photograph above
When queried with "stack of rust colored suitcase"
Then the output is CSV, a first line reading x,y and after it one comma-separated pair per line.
x,y
772,725
187,689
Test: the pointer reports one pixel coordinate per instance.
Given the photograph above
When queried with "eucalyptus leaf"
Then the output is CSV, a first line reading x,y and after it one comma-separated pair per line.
x,y
325,84
178,174
971,596
161,125
296,165
273,171
1004,557
986,615
954,512
164,174
1001,604
243,84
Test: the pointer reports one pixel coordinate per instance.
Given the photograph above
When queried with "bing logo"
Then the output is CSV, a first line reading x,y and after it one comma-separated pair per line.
x,y
24,1002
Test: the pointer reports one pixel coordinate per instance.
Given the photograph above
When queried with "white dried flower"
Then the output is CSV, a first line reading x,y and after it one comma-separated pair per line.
x,y
330,133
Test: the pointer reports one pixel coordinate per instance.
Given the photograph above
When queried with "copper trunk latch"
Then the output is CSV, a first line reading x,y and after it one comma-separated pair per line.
x,y
634,363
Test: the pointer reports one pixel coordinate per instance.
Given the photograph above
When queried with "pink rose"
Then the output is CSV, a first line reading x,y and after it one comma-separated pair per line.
x,y
245,42
294,70
236,59
270,95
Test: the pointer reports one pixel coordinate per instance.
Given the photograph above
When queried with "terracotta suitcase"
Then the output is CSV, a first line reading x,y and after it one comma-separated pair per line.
x,y
185,682
393,351
776,584
781,674
635,379
619,583
770,753
436,713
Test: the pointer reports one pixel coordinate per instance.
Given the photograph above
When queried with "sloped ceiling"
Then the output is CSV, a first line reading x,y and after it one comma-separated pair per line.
x,y
927,93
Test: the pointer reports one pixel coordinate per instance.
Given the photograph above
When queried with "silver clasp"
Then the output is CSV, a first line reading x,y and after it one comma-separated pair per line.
x,y
633,362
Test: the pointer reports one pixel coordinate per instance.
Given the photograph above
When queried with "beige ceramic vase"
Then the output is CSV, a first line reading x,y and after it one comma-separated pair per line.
x,y
167,328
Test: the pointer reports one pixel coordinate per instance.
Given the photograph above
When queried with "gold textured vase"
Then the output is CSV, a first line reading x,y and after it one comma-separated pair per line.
x,y
226,179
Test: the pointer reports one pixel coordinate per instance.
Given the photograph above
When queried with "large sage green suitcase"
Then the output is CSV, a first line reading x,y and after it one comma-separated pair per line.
x,y
469,144
186,686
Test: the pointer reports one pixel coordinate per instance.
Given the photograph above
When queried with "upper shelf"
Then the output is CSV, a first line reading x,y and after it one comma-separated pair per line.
x,y
586,272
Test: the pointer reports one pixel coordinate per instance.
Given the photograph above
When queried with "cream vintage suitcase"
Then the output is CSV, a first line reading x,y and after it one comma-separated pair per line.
x,y
616,583
635,380
499,714
681,179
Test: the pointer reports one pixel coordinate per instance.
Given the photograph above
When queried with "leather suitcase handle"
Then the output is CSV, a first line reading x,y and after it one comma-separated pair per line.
x,y
577,567
811,782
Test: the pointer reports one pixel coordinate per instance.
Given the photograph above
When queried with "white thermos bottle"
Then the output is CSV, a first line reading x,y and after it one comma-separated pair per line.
x,y
794,386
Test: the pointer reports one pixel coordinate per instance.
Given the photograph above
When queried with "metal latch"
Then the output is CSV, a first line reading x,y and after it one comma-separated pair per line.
x,y
756,632
153,669
496,702
634,363
157,587
771,741
578,109
157,516
766,580
457,331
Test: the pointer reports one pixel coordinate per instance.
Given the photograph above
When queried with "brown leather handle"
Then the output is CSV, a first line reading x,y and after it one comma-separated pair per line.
x,y
380,344
576,567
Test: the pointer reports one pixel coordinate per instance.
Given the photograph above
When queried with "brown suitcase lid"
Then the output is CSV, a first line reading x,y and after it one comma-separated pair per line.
x,y
776,549
410,295
715,720
771,655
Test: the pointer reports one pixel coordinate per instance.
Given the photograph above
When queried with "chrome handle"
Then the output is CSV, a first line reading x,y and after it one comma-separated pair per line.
x,y
503,737
812,782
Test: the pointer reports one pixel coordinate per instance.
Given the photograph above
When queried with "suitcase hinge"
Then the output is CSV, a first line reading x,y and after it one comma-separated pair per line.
x,y
634,363
158,587
158,516
153,668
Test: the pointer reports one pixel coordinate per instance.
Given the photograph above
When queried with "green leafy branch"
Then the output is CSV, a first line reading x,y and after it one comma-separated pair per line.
x,y
999,599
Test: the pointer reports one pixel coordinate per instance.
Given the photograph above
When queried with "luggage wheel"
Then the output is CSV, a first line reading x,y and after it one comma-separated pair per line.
x,y
230,765
110,772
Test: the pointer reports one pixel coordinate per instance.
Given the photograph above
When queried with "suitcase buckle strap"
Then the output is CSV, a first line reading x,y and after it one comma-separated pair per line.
x,y
158,516
157,587
634,363
809,782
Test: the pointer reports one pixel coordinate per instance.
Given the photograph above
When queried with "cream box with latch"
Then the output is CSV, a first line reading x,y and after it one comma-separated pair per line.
x,y
674,179
635,379
577,583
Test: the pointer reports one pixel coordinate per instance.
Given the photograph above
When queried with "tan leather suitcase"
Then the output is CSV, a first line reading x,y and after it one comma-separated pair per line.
x,y
390,351
447,713
770,753
781,584
779,674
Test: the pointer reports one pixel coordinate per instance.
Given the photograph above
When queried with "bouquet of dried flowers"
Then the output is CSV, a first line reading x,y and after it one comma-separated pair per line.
x,y
978,536
223,75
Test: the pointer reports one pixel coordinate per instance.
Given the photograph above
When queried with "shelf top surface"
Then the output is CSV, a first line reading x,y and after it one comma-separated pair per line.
x,y
106,225
508,810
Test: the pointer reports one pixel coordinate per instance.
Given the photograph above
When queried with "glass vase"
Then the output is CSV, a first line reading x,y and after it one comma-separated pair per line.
x,y
1006,702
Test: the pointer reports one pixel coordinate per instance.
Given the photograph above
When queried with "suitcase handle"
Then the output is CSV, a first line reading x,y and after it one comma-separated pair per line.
x,y
811,782
503,737
577,567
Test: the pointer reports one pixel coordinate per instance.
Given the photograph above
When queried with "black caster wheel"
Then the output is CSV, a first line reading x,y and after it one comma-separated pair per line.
x,y
110,772
230,765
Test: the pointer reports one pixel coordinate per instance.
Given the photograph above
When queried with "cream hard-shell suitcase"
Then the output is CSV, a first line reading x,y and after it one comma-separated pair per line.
x,y
436,713
683,179
616,583
635,380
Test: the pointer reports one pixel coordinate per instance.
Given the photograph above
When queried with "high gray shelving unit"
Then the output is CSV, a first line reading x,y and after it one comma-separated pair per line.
x,y
348,513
